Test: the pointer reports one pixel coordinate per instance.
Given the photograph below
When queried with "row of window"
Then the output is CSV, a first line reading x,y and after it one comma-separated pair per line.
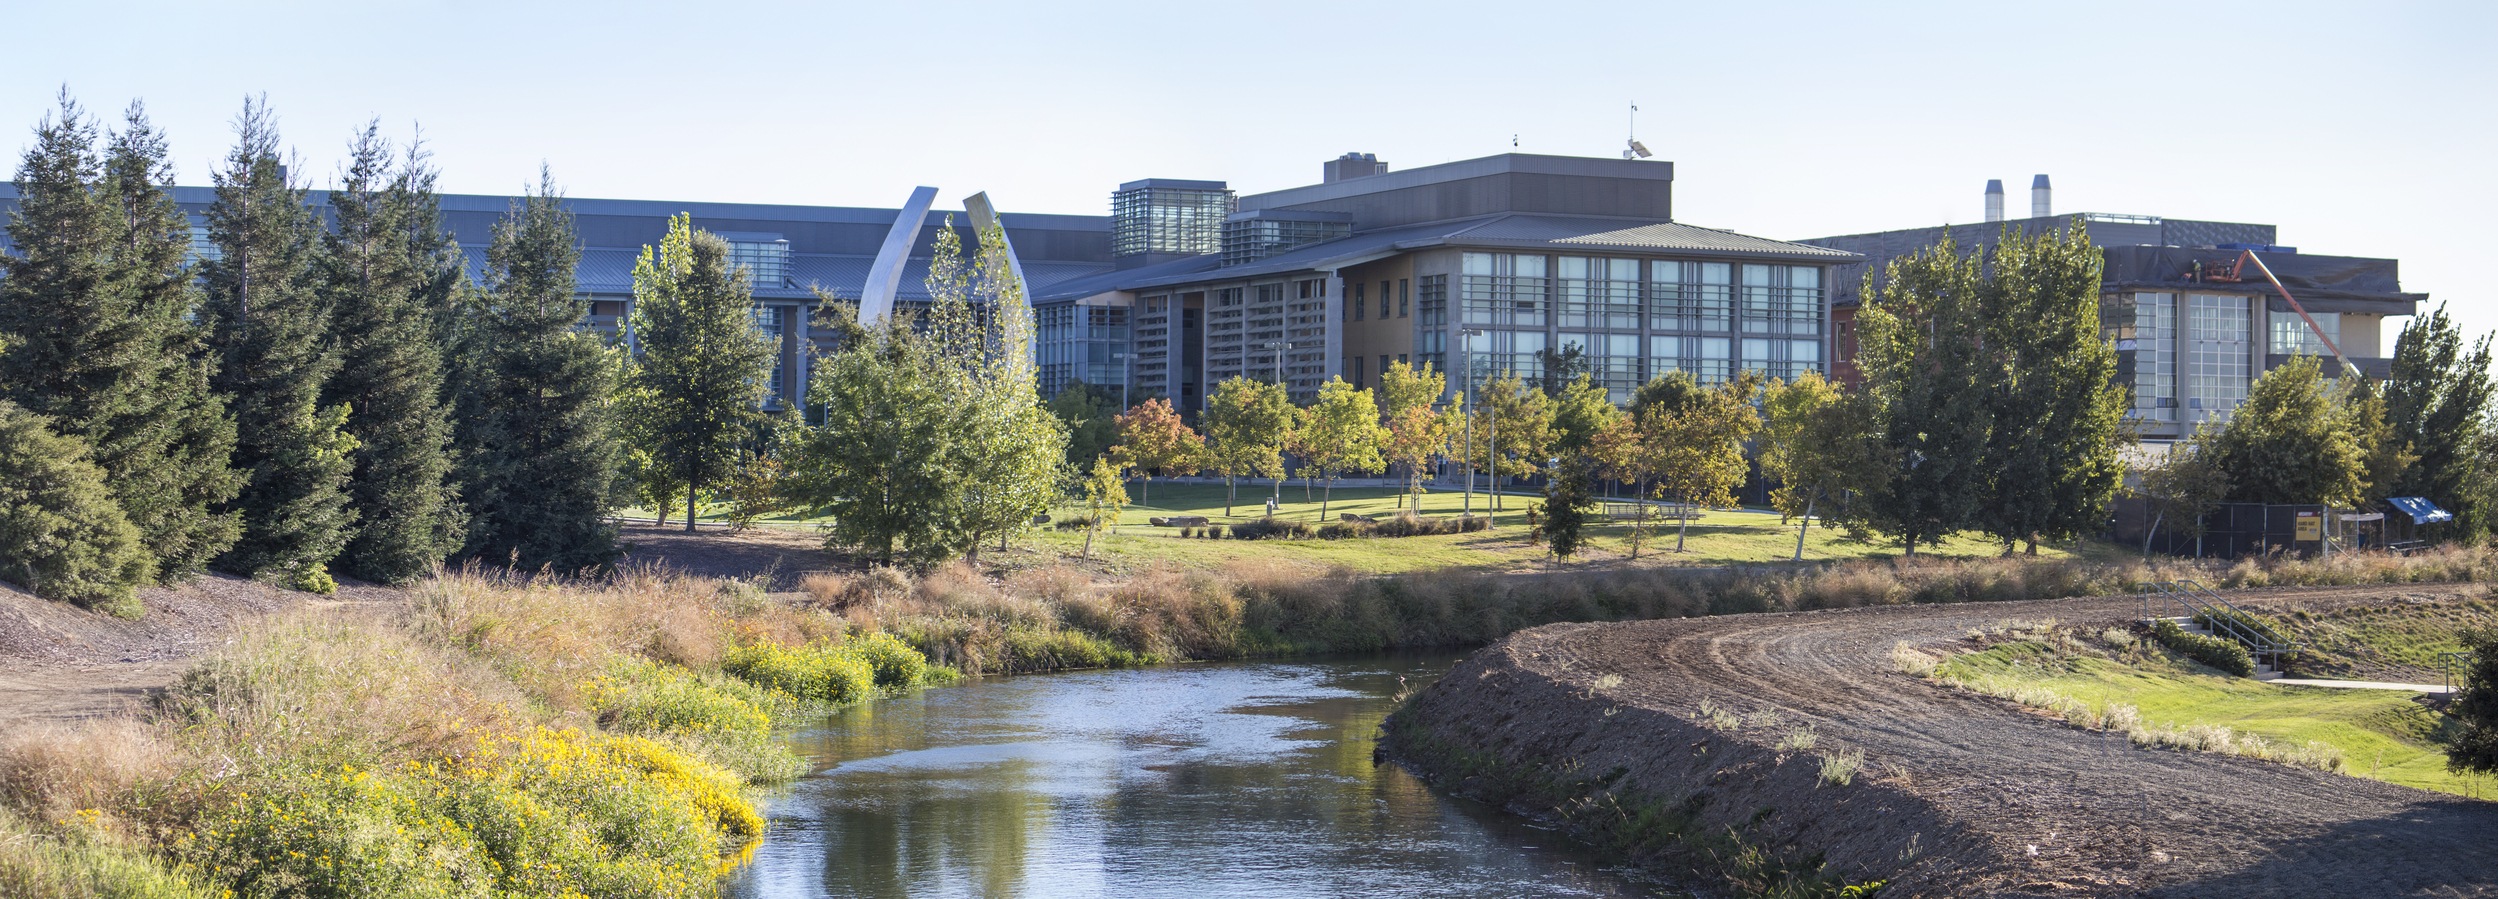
x,y
1512,290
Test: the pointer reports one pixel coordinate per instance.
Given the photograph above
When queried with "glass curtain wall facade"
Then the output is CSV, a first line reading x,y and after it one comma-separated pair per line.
x,y
2291,336
768,321
1076,342
2150,334
1711,319
2220,344
766,261
1183,221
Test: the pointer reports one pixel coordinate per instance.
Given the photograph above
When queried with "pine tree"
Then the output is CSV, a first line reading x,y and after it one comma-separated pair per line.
x,y
378,262
269,331
96,306
1566,501
1921,340
537,424
2051,372
703,361
62,535
2435,401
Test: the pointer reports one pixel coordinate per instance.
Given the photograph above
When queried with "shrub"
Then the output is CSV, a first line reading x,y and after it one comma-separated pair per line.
x,y
1074,523
818,672
1271,528
721,720
62,534
895,663
2226,655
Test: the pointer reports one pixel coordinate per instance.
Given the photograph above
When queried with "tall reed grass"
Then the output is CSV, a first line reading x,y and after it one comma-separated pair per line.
x,y
498,736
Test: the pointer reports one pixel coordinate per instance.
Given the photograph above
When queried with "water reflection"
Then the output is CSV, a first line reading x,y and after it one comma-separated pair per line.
x,y
1238,780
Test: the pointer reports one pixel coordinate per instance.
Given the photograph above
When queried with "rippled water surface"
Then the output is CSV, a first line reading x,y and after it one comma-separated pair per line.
x,y
1231,780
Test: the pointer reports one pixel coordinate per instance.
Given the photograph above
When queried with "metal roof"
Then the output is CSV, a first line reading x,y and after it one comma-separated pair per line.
x,y
1505,231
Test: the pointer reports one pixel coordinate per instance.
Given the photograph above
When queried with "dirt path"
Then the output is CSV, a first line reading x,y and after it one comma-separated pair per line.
x,y
2006,801
60,663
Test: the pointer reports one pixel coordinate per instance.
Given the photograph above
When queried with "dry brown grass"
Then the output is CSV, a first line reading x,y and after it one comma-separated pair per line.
x,y
52,771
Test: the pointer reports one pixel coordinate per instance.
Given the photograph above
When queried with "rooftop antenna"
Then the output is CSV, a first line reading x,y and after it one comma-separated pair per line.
x,y
1637,150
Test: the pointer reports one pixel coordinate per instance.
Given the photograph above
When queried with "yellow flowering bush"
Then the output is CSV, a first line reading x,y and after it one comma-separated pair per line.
x,y
822,671
720,719
546,813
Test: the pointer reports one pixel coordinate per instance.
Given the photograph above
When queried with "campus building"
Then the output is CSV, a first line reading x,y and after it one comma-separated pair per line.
x,y
2194,320
1472,266
788,251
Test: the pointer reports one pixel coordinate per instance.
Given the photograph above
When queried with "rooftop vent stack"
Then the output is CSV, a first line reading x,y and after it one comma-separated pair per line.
x,y
2039,207
1353,165
1994,199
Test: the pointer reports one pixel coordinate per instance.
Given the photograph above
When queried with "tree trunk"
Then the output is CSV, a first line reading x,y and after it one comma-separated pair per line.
x,y
1231,494
1326,497
1088,537
2153,532
690,517
1683,532
1803,526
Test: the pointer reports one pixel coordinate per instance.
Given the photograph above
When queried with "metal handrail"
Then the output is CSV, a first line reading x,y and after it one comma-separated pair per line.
x,y
2446,668
2224,619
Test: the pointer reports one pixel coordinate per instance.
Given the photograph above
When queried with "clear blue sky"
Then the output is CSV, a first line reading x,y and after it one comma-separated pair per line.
x,y
2359,129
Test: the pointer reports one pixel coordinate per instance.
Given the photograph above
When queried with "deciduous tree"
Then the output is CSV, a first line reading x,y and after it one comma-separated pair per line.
x,y
1581,410
1416,435
1921,338
1698,450
2289,444
1105,494
703,362
1340,433
1013,449
1817,442
1090,413
2050,376
1246,423
1513,431
1565,507
1153,438
2181,487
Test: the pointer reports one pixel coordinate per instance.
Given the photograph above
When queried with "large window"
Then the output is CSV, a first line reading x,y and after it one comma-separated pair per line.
x,y
1709,360
1503,289
2218,343
1612,359
1691,296
764,257
1781,299
2291,336
2151,335
768,321
1782,359
1599,293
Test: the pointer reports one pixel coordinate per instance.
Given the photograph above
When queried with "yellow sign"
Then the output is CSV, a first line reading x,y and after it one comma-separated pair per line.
x,y
2311,526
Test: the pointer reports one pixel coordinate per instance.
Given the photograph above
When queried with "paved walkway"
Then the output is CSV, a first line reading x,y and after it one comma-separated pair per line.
x,y
2355,684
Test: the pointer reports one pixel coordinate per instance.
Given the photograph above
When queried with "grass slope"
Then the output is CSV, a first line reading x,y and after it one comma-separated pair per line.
x,y
2382,734
1715,537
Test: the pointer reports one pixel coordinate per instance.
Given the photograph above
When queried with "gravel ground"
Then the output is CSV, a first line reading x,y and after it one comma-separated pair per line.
x,y
2000,800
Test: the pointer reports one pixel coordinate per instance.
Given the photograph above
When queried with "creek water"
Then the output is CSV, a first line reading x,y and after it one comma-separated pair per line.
x,y
1236,780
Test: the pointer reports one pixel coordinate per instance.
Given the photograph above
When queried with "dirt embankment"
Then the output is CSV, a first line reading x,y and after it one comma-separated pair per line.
x,y
1600,728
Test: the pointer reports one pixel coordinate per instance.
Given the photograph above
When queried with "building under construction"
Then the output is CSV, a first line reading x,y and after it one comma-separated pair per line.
x,y
2194,315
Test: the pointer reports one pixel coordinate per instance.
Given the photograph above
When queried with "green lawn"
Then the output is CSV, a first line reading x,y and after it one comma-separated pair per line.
x,y
2383,734
1715,538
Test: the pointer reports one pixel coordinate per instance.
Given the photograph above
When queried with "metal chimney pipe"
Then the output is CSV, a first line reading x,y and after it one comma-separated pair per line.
x,y
1994,199
2039,207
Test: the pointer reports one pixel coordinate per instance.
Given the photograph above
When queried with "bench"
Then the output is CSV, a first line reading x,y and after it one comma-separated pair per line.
x,y
1667,511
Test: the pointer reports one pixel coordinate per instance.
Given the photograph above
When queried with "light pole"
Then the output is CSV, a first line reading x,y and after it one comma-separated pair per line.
x,y
1465,379
1279,346
1126,376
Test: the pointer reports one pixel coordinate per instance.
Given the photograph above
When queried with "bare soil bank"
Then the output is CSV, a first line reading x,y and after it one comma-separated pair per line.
x,y
1598,728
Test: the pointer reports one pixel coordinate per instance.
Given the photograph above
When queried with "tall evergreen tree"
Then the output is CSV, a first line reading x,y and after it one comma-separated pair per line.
x,y
269,331
2051,371
536,413
1921,340
95,304
703,362
2435,401
377,266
